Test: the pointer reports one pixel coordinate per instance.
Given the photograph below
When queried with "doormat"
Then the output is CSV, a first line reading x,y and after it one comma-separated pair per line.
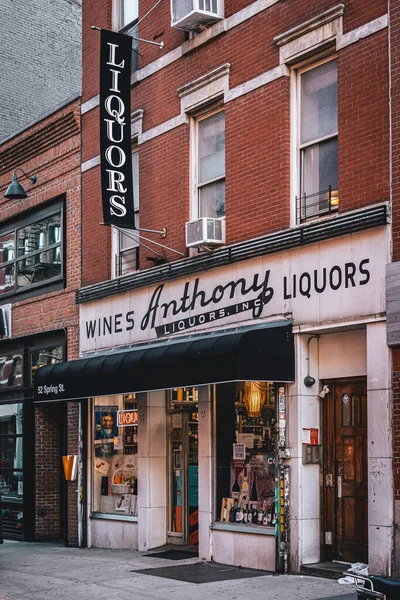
x,y
203,572
174,554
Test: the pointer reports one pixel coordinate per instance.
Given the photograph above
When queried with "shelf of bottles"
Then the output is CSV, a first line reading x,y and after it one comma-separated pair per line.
x,y
253,478
130,439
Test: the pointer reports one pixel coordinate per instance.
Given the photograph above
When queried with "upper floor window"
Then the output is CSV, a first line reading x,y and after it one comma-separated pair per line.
x,y
317,125
31,252
129,12
209,165
125,241
126,21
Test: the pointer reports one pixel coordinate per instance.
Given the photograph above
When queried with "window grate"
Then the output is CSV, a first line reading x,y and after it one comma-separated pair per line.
x,y
312,206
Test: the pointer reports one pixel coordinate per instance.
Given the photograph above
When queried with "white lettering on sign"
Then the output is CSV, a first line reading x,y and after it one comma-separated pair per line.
x,y
45,390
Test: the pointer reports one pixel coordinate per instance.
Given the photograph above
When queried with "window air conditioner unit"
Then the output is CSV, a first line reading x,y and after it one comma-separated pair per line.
x,y
191,14
205,232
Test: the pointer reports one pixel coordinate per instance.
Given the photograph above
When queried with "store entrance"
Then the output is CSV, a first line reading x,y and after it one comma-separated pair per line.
x,y
345,472
183,467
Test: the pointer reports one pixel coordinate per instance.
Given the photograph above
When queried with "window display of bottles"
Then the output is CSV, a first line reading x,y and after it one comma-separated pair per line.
x,y
251,495
251,513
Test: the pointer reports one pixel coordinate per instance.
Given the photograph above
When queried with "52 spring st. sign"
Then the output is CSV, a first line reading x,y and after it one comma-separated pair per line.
x,y
331,281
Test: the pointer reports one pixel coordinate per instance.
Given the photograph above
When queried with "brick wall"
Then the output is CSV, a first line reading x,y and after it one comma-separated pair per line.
x,y
257,126
40,56
48,473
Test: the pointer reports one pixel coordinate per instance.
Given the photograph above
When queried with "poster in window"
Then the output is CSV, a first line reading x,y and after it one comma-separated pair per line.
x,y
105,429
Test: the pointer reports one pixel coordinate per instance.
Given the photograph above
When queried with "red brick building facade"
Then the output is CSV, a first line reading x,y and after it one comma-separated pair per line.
x,y
277,121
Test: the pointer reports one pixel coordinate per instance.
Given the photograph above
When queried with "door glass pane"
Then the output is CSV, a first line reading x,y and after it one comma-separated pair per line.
x,y
183,403
193,479
176,473
349,459
355,410
345,411
319,112
363,410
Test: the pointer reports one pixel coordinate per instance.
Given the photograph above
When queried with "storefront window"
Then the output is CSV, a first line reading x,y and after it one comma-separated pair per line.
x,y
115,467
11,480
246,453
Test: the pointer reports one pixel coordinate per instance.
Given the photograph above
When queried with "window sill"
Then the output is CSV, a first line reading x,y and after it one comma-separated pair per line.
x,y
113,517
244,528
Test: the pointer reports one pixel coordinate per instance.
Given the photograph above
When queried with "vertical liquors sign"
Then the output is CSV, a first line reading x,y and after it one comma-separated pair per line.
x,y
115,129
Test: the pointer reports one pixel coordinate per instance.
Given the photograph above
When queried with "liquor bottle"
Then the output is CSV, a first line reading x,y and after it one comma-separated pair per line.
x,y
253,493
235,488
245,514
265,517
232,514
239,515
245,488
255,515
260,515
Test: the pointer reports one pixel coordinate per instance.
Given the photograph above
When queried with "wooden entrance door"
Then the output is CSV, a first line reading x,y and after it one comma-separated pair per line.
x,y
345,472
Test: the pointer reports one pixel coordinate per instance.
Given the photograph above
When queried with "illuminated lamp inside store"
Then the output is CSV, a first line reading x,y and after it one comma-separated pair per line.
x,y
254,397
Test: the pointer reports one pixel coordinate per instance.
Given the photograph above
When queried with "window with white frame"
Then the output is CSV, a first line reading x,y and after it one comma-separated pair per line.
x,y
125,241
209,164
317,131
125,19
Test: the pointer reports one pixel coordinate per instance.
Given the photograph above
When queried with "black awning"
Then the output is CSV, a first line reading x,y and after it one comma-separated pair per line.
x,y
264,353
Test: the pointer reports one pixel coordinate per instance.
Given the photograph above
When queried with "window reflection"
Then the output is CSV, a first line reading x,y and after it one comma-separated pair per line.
x,y
11,370
31,254
45,356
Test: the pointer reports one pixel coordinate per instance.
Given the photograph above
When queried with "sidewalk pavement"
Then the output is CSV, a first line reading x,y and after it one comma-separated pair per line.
x,y
50,571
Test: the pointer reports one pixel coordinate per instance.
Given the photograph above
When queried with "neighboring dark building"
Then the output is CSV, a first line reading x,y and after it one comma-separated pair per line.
x,y
39,275
40,57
